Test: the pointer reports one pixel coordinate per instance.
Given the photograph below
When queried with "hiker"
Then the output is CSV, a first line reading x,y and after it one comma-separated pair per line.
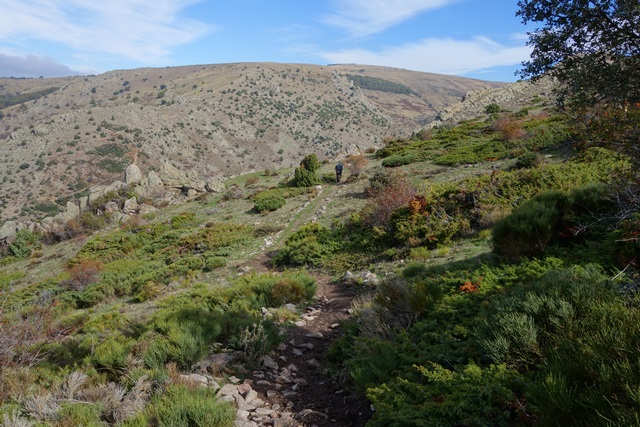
x,y
338,171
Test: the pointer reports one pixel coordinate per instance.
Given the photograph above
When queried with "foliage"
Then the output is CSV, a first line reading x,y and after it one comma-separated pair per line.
x,y
375,83
25,243
310,163
590,46
492,108
530,227
268,201
305,178
386,192
469,396
310,245
9,100
181,405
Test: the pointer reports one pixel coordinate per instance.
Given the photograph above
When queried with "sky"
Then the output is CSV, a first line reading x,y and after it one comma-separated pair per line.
x,y
481,39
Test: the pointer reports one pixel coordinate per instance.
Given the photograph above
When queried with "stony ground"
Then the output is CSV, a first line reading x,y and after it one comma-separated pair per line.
x,y
292,386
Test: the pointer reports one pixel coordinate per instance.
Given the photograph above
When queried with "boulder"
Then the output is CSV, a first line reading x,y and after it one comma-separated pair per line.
x,y
130,206
132,175
111,208
214,186
100,190
83,202
8,231
144,209
73,210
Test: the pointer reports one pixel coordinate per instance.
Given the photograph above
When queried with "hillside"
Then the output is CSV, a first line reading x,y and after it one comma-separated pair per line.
x,y
478,273
60,136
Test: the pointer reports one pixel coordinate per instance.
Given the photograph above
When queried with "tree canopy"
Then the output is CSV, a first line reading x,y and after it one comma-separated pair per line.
x,y
592,47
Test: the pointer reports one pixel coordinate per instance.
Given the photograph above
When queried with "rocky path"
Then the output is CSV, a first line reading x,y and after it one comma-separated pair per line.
x,y
292,387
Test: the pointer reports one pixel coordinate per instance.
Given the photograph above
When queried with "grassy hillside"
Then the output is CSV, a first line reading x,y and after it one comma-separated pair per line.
x,y
505,290
60,136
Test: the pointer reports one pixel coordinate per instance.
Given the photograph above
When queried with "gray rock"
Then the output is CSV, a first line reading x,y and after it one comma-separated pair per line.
x,y
8,231
130,206
73,210
195,379
111,208
83,202
214,186
132,175
144,209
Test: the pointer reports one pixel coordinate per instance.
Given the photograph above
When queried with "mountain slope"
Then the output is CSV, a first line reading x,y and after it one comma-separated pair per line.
x,y
60,136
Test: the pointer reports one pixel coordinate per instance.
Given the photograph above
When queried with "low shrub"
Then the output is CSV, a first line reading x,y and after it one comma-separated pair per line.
x,y
268,202
399,160
530,227
180,405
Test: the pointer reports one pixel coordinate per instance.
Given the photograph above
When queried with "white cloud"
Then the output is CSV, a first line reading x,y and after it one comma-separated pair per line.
x,y
365,17
32,66
438,55
140,30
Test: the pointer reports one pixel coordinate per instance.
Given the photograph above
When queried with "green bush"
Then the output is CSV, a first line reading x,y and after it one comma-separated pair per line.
x,y
529,228
310,245
399,160
492,108
310,163
25,243
528,159
213,262
305,178
181,406
468,396
80,414
266,202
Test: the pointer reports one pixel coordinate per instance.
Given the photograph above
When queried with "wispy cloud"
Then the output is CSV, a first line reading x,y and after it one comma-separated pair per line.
x,y
438,55
139,30
365,17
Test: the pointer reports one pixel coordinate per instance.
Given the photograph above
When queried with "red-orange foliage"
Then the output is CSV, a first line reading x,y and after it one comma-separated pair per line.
x,y
509,128
83,274
470,286
393,192
356,164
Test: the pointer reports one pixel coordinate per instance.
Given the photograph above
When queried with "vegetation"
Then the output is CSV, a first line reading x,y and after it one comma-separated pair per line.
x,y
505,293
374,83
591,47
9,100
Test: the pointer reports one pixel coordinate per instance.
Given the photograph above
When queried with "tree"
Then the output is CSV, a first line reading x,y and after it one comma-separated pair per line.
x,y
592,47
305,175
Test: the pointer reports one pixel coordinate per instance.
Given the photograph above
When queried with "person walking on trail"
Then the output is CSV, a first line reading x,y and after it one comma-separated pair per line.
x,y
338,171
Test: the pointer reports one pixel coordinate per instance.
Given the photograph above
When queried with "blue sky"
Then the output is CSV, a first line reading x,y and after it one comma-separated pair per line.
x,y
473,38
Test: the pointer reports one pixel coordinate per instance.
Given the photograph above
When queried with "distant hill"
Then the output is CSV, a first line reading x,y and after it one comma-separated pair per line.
x,y
59,136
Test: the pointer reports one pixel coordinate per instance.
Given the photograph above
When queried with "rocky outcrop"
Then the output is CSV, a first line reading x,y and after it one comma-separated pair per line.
x,y
169,186
512,97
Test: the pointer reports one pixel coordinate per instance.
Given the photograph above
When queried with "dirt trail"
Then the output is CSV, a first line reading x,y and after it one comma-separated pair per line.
x,y
294,380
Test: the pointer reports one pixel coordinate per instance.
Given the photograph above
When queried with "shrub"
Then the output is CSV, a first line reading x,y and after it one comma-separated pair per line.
x,y
310,163
509,129
264,202
83,274
305,178
399,160
213,262
528,159
469,396
529,228
356,164
387,192
310,245
181,405
25,243
492,108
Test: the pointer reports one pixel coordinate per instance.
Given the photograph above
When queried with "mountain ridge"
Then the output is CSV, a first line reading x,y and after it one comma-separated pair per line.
x,y
219,120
